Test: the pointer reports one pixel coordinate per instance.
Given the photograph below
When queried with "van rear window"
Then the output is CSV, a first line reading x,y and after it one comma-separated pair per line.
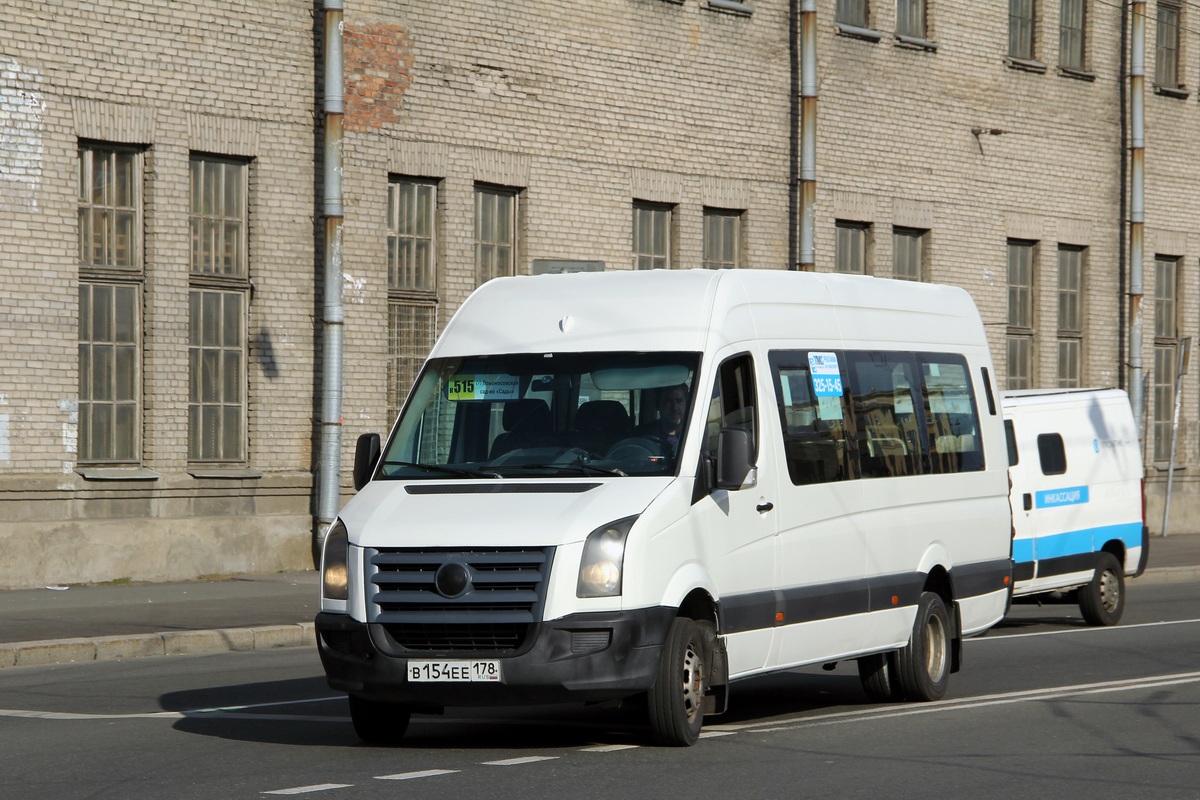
x,y
1052,453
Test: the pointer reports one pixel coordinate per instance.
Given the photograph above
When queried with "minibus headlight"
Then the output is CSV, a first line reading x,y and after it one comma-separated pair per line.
x,y
603,559
334,585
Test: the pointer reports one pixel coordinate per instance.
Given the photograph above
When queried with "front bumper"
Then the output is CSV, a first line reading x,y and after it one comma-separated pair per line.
x,y
582,657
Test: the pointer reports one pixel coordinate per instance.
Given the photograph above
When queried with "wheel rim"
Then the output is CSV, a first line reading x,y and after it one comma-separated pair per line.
x,y
1110,591
935,653
693,681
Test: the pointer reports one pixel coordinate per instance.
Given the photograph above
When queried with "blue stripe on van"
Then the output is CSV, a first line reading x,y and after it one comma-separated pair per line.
x,y
1087,540
1070,496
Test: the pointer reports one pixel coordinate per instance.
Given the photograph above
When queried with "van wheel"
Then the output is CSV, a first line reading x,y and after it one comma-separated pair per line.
x,y
377,722
878,675
1103,600
923,665
676,700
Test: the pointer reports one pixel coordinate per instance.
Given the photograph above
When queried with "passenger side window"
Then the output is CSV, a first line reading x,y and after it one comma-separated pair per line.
x,y
813,416
1052,453
733,403
951,415
885,411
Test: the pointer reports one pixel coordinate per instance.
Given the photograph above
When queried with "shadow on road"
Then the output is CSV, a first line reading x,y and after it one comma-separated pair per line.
x,y
301,713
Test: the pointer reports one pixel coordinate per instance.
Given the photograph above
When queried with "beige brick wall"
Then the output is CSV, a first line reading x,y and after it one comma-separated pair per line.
x,y
584,107
232,78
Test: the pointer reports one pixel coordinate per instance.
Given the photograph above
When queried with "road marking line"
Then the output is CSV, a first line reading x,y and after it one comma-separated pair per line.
x,y
609,748
999,637
405,776
971,703
512,762
319,787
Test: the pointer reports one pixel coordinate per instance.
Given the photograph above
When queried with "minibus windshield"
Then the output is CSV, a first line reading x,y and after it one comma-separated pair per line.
x,y
544,415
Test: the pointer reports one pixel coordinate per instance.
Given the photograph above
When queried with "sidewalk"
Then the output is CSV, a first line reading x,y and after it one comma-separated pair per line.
x,y
253,612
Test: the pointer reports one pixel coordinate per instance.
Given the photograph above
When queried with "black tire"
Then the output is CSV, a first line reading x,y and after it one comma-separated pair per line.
x,y
923,665
878,675
1103,600
377,722
676,700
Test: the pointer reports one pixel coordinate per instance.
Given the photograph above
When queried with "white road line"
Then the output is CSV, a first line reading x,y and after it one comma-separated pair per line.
x,y
971,703
609,748
999,637
10,712
512,762
319,787
407,776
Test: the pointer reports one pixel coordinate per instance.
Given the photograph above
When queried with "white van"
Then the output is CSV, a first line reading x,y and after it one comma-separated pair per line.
x,y
1077,497
549,522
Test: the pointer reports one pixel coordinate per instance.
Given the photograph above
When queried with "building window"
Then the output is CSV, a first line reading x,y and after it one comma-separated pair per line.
x,y
1166,340
217,310
412,207
910,18
412,329
651,236
853,239
495,232
1166,53
1021,258
1071,41
110,291
412,281
722,239
1020,29
853,12
109,372
1070,316
908,254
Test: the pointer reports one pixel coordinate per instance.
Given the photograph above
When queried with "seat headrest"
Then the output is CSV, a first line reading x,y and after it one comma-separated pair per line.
x,y
528,414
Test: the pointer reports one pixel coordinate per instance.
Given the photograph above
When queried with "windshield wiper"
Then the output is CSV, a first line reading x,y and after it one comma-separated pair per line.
x,y
460,471
587,469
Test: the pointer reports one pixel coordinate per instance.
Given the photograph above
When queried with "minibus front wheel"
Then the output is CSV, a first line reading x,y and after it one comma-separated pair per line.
x,y
923,665
676,700
378,722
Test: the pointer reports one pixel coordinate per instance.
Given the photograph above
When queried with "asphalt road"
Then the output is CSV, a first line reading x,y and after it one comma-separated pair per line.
x,y
1044,707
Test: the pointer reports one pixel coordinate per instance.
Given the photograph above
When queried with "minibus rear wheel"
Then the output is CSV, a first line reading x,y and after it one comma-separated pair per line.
x,y
1103,600
377,722
923,665
676,700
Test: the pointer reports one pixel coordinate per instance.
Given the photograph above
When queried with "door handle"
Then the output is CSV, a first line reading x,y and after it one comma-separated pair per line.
x,y
763,508
1028,499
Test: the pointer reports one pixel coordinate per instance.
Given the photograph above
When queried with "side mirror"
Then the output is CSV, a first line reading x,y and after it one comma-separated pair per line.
x,y
735,459
366,456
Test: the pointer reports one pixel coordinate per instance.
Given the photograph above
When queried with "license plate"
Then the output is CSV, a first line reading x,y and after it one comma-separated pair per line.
x,y
454,671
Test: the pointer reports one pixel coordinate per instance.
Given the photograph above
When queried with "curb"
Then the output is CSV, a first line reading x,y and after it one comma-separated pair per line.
x,y
171,643
1167,575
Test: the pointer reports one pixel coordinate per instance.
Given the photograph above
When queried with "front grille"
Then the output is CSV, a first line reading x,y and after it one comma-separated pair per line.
x,y
493,610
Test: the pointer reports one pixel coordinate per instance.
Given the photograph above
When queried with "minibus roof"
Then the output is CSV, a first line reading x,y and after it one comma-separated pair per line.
x,y
698,309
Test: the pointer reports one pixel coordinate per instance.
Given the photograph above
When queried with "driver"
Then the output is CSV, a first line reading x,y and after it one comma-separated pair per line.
x,y
668,428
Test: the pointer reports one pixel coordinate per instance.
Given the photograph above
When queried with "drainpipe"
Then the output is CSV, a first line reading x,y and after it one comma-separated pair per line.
x,y
793,261
329,468
1123,202
1137,207
808,133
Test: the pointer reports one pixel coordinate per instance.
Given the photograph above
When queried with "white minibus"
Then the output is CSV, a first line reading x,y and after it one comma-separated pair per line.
x,y
1078,499
651,485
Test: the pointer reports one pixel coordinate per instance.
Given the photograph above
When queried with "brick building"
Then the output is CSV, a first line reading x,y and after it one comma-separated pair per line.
x,y
160,189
